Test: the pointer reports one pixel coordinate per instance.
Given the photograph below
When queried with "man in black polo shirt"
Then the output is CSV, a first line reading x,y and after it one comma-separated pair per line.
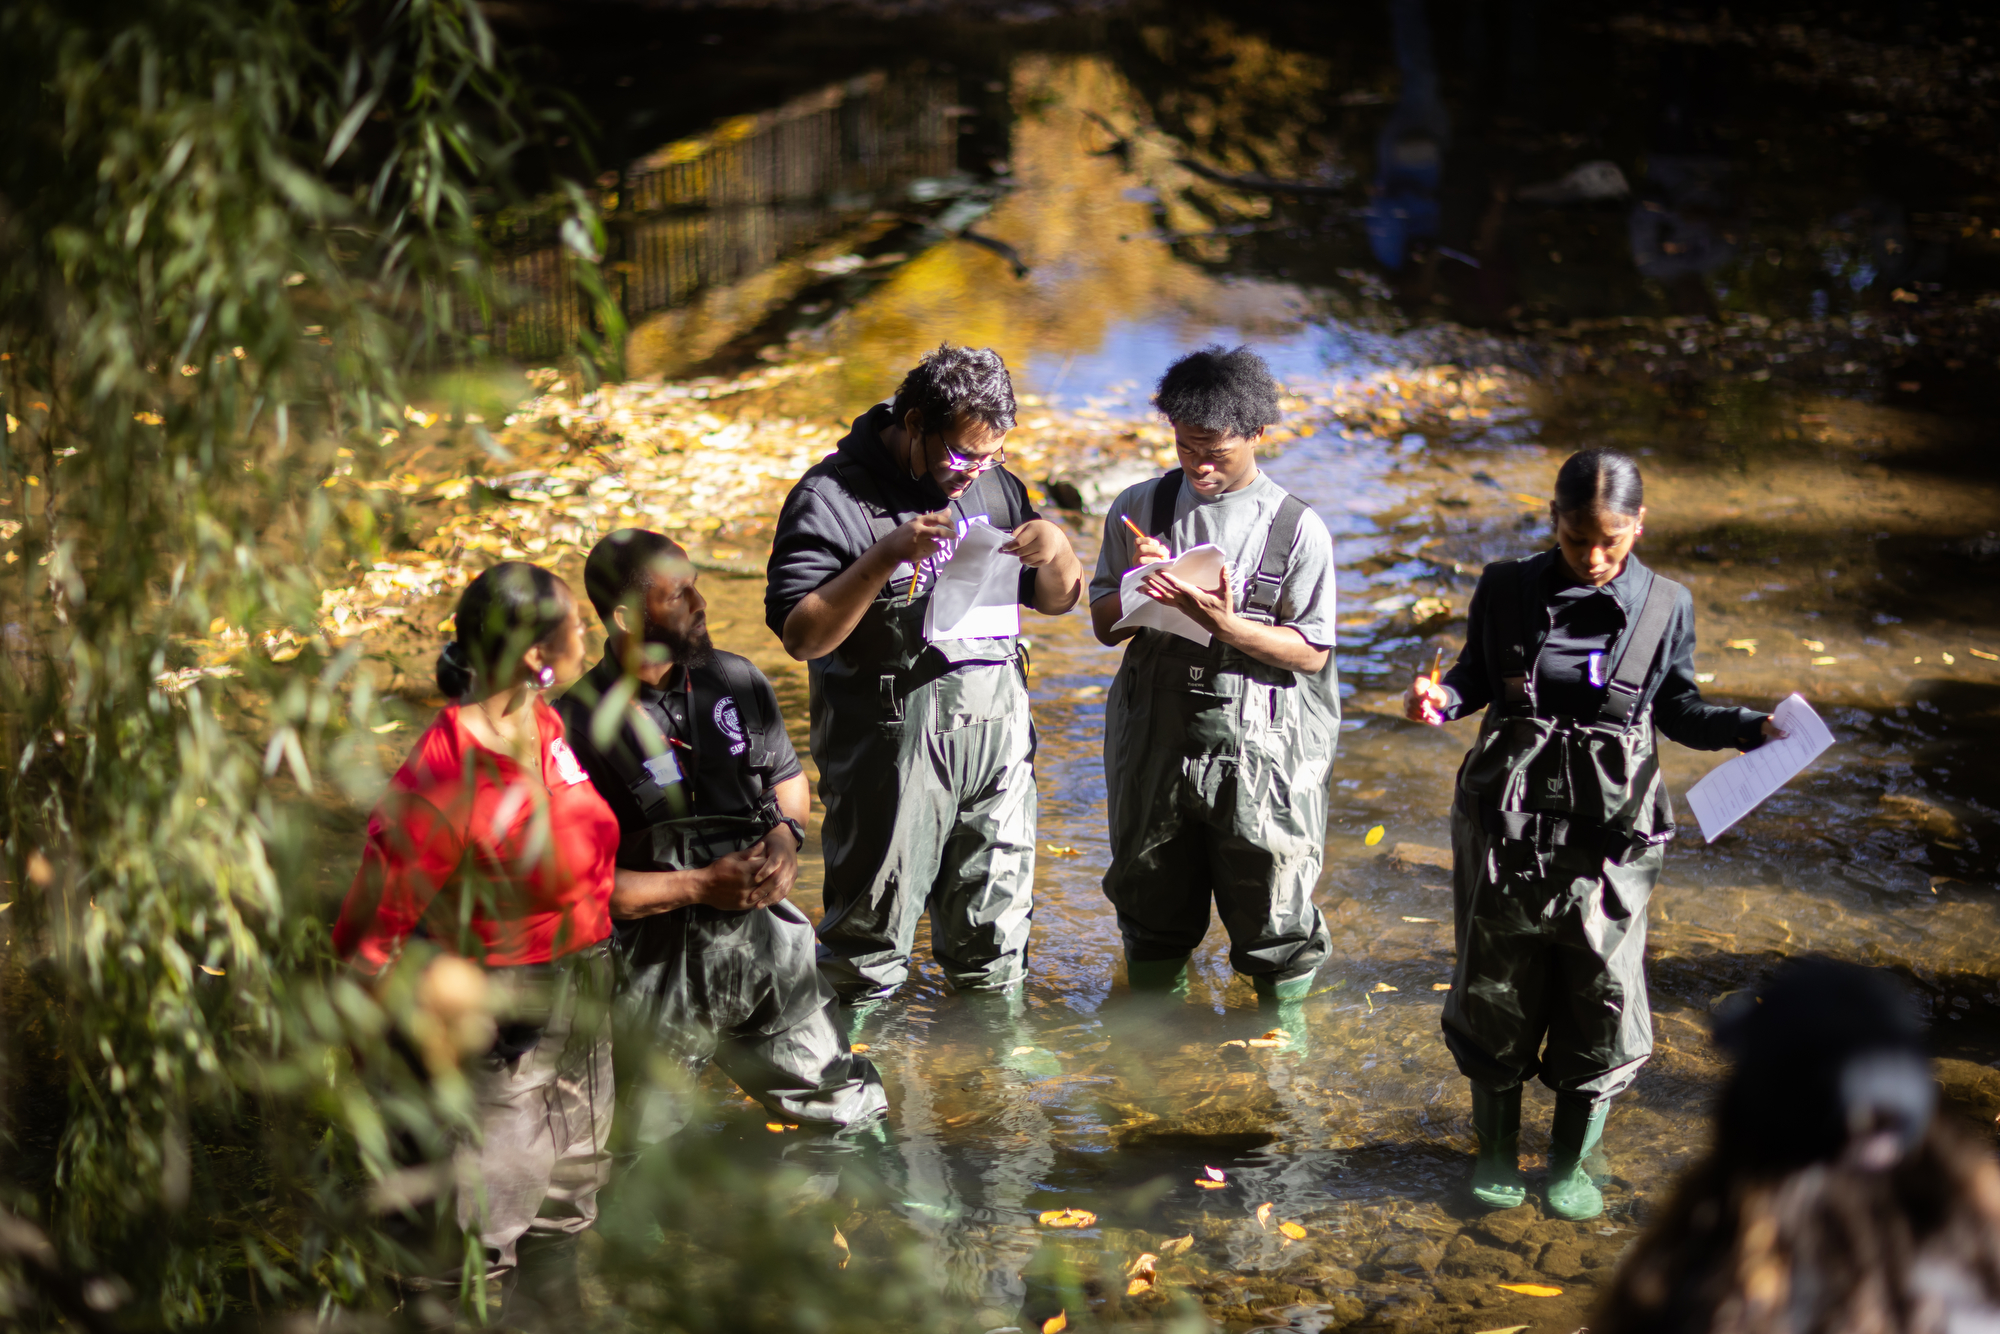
x,y
924,742
688,747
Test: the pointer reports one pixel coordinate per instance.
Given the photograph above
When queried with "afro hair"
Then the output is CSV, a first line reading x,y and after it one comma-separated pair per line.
x,y
1216,390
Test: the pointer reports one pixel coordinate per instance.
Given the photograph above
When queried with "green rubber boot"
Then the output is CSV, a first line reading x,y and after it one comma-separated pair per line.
x,y
1496,1170
1158,975
1283,1005
854,1018
1277,993
1578,1127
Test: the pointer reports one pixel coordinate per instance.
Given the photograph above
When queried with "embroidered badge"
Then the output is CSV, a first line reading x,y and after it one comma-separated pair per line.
x,y
730,725
568,768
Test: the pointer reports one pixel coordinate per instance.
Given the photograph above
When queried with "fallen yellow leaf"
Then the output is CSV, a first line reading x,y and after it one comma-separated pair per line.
x,y
1266,1042
1056,850
1211,1185
1067,1218
1746,645
1381,987
1137,1286
1056,1323
857,1046
1020,1051
1948,659
1178,1246
1236,1042
1982,653
1143,1267
1824,662
1504,1329
840,1244
1293,1230
1430,920
212,972
1440,986
1213,1173
385,727
1527,499
775,1127
1814,644
1264,1215
1373,836
1533,1289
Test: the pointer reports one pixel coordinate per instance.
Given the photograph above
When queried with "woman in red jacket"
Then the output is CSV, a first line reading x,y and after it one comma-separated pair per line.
x,y
492,842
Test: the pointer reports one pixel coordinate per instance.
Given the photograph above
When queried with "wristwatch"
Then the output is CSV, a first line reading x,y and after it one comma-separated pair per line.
x,y
798,829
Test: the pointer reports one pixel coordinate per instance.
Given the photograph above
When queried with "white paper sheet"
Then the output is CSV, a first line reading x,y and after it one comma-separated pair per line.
x,y
1200,566
977,594
1732,790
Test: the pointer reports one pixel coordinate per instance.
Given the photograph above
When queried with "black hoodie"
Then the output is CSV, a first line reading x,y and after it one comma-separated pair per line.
x,y
823,529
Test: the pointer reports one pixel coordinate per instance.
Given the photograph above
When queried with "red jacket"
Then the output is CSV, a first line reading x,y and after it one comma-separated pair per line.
x,y
459,818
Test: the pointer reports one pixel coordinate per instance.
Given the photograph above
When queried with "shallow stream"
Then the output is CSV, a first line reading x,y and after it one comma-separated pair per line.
x,y
1835,527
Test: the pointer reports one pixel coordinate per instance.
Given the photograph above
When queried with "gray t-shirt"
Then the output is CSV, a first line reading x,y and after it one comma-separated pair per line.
x,y
1238,522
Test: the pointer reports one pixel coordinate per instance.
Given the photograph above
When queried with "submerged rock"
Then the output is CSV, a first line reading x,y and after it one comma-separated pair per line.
x,y
1901,810
1417,857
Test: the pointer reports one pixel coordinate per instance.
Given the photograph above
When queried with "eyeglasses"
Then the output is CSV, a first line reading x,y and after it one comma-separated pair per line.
x,y
970,465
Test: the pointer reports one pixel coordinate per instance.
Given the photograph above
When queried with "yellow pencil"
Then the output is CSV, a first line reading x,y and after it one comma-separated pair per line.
x,y
1437,664
1126,519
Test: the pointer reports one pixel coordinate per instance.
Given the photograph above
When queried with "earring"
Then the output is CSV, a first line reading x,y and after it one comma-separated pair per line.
x,y
545,676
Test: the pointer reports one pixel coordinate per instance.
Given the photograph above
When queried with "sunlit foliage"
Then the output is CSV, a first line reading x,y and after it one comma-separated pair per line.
x,y
227,230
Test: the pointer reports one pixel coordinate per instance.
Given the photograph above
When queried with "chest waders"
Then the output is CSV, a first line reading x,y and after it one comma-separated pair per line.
x,y
1215,769
701,983
926,758
1559,827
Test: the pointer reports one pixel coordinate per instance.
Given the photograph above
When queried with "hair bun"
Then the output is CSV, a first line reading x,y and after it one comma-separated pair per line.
x,y
454,671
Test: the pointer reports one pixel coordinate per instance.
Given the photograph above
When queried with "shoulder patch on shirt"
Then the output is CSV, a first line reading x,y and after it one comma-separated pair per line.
x,y
567,766
730,725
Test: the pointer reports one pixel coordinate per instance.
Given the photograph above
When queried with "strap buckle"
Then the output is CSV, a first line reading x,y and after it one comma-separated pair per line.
x,y
1619,701
1260,595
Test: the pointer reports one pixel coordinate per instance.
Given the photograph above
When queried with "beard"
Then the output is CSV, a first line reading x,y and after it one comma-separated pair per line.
x,y
690,649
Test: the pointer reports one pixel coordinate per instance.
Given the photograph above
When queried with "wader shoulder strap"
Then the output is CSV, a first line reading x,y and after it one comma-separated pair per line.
x,y
1635,660
741,678
1165,496
1260,597
1507,627
645,765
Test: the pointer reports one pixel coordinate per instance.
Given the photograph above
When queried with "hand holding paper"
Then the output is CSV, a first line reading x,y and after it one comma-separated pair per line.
x,y
1733,789
1200,567
977,594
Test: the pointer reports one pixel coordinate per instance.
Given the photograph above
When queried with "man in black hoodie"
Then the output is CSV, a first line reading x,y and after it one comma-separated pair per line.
x,y
924,742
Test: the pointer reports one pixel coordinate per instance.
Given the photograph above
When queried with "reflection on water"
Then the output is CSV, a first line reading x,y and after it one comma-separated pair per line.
x,y
712,226
1833,546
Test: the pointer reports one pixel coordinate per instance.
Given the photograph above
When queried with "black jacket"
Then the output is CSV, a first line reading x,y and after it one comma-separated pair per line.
x,y
823,529
1678,709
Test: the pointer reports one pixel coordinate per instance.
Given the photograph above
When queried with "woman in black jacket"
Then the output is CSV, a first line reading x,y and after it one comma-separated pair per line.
x,y
1578,655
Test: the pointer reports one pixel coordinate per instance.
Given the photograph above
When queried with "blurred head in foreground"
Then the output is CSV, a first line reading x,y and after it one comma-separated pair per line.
x,y
1835,1199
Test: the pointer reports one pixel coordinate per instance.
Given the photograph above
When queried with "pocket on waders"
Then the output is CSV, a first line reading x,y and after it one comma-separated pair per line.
x,y
1607,770
1505,766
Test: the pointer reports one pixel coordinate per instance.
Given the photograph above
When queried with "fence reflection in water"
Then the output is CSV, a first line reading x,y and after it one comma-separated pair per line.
x,y
704,212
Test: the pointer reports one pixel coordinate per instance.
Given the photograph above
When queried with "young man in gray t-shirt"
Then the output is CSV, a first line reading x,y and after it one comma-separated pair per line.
x,y
1216,756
